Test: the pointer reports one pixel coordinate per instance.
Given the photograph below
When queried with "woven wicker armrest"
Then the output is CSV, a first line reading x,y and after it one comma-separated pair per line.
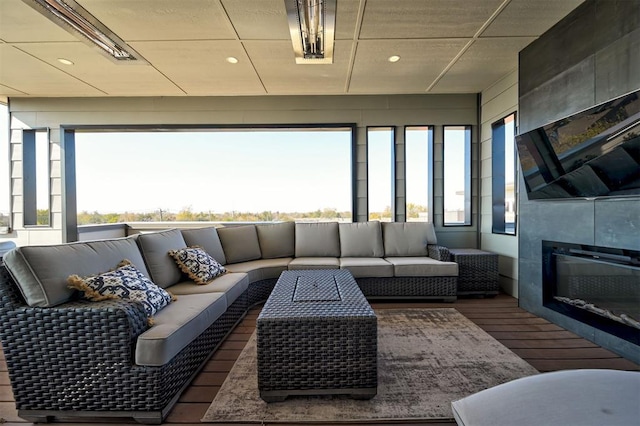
x,y
438,252
78,329
73,333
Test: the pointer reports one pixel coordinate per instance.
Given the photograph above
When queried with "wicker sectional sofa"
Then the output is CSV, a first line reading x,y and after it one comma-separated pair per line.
x,y
68,357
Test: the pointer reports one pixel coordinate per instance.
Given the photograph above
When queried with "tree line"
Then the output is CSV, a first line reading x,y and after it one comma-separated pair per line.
x,y
187,215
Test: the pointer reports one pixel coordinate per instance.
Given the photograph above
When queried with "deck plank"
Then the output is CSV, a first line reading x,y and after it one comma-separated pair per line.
x,y
519,327
564,353
551,344
570,364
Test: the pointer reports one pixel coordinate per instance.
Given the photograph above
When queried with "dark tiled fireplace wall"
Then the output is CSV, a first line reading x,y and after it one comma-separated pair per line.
x,y
589,57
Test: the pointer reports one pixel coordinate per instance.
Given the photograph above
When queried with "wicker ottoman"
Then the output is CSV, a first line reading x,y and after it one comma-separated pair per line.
x,y
478,272
317,335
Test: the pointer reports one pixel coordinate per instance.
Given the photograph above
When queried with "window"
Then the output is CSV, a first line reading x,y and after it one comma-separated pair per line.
x,y
380,173
5,179
419,176
457,175
503,163
218,174
35,177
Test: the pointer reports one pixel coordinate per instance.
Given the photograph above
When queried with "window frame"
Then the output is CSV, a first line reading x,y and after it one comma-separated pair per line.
x,y
499,224
468,196
430,163
69,201
392,171
32,172
5,175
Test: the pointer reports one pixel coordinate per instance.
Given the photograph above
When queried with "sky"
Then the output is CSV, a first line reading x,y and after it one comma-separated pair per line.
x,y
245,171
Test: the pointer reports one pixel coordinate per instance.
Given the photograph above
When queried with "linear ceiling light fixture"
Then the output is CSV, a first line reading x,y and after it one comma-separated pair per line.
x,y
74,18
312,26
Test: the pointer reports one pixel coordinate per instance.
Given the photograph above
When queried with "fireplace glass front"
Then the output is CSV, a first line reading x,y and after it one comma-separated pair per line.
x,y
596,285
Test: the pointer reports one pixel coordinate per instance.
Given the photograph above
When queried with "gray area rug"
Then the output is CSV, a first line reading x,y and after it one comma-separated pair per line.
x,y
427,358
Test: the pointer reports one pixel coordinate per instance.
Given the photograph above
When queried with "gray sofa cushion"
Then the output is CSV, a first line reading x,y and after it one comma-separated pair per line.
x,y
407,238
367,267
361,239
261,269
422,267
177,325
317,239
208,239
276,240
155,248
314,263
41,272
231,284
240,243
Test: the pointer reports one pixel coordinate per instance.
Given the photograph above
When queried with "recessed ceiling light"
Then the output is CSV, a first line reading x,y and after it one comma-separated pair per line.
x,y
232,60
65,61
394,58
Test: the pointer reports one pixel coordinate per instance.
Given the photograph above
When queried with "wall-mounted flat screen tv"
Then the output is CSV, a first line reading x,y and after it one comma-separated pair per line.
x,y
593,153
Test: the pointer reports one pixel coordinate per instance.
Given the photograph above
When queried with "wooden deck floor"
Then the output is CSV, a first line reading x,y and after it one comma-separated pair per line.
x,y
542,344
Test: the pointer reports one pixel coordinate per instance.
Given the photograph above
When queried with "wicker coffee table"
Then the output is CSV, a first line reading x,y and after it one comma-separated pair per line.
x,y
317,335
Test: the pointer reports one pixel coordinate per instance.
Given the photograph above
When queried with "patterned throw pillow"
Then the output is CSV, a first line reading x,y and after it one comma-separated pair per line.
x,y
124,282
197,264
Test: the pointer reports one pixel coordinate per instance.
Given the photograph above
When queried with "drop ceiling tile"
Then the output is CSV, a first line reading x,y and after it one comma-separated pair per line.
x,y
484,63
267,19
200,67
9,91
92,67
162,19
529,17
346,19
413,19
178,40
258,19
421,61
275,63
21,22
25,73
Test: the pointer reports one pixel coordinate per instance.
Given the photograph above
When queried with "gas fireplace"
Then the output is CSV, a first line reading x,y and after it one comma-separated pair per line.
x,y
599,286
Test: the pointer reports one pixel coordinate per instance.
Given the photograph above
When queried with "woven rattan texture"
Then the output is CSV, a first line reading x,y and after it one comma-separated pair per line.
x,y
279,305
79,356
316,345
438,252
259,291
409,287
477,272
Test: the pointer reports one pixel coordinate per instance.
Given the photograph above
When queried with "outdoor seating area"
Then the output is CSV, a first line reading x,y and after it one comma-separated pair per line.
x,y
540,343
115,346
150,355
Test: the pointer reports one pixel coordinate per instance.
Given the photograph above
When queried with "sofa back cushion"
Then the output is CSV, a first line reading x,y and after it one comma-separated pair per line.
x,y
361,239
240,243
41,272
407,238
317,239
208,239
155,247
276,240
